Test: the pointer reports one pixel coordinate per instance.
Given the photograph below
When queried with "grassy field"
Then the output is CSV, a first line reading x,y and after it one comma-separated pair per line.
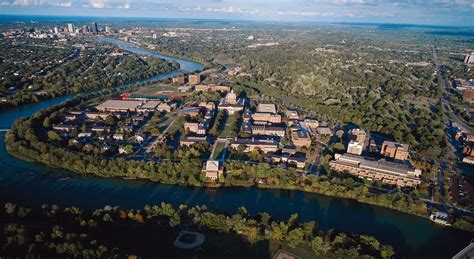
x,y
229,127
218,151
155,88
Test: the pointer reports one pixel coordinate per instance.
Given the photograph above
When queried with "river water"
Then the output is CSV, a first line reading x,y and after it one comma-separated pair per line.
x,y
31,184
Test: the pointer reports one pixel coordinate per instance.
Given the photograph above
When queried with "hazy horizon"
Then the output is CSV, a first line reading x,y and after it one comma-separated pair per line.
x,y
432,12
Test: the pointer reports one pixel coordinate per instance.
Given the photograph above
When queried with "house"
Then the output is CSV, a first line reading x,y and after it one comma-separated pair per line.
x,y
301,139
213,169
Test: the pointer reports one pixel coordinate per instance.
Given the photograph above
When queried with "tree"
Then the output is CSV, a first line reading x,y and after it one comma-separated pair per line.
x,y
52,135
319,246
110,120
46,123
10,208
386,251
295,237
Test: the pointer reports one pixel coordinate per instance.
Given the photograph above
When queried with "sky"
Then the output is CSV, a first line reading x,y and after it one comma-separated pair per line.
x,y
433,12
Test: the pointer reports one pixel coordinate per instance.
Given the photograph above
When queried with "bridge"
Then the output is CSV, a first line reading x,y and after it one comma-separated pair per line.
x,y
4,130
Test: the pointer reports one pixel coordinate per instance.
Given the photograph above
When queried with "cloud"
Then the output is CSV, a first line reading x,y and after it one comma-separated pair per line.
x,y
98,4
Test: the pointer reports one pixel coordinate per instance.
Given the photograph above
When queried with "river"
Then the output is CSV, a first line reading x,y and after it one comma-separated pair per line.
x,y
31,184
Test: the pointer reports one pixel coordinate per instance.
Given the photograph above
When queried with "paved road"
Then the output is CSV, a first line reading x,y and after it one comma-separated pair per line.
x,y
445,100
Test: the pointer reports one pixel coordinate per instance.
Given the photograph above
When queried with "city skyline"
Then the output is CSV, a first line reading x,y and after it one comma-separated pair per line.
x,y
433,12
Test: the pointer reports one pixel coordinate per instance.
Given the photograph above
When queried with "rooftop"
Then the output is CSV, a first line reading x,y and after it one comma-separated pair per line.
x,y
378,165
267,108
119,104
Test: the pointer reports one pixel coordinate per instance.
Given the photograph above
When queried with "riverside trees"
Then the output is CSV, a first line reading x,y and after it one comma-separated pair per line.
x,y
69,231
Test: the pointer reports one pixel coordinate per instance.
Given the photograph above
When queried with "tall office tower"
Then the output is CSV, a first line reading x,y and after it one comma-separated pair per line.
x,y
70,27
107,29
56,30
95,28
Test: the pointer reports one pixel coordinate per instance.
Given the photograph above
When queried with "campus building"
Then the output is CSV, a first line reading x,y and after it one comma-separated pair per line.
x,y
231,104
194,79
355,147
469,59
268,129
119,106
267,117
212,169
397,174
301,138
250,144
395,150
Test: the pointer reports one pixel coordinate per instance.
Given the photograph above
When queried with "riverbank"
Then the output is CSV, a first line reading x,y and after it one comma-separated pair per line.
x,y
26,141
222,235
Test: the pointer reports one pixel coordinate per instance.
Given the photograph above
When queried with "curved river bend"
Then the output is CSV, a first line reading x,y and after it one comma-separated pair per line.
x,y
31,184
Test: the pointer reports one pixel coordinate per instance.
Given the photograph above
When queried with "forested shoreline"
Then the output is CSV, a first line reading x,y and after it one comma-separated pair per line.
x,y
71,231
91,68
28,140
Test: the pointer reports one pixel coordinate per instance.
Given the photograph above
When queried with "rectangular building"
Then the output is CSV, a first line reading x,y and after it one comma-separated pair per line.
x,y
269,130
301,139
267,108
397,174
395,150
268,117
119,106
250,144
355,147
194,79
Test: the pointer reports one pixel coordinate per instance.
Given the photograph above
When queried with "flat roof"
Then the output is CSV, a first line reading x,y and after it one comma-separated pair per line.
x,y
378,165
266,107
119,104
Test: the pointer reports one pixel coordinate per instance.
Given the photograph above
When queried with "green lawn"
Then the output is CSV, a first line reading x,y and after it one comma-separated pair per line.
x,y
218,151
228,131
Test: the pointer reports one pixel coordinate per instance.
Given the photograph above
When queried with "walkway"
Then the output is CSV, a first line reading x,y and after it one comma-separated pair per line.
x,y
161,138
